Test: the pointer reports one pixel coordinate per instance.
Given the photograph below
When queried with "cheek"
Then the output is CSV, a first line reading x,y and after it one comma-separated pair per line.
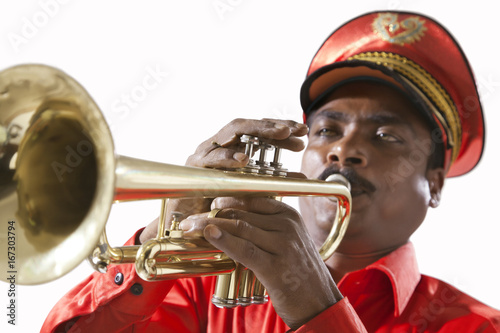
x,y
318,214
312,163
422,192
412,198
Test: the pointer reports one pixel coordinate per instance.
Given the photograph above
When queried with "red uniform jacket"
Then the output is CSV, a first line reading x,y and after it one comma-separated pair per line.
x,y
388,296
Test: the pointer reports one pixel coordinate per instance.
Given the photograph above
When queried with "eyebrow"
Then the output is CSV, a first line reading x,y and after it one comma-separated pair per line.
x,y
376,119
380,118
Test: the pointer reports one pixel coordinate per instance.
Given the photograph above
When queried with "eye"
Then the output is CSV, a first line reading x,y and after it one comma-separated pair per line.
x,y
327,132
386,137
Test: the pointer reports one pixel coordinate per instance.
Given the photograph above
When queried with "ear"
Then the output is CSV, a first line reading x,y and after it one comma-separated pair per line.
x,y
435,177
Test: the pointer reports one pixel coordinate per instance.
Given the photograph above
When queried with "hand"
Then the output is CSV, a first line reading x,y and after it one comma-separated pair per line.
x,y
270,238
223,150
185,206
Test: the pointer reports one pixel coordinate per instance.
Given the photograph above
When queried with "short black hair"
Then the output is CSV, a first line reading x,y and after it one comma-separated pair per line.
x,y
436,159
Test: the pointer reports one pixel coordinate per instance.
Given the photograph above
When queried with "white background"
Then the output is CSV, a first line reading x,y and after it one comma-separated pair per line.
x,y
221,59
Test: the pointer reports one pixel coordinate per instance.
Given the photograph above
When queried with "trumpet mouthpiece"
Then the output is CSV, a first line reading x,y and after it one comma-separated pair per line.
x,y
338,178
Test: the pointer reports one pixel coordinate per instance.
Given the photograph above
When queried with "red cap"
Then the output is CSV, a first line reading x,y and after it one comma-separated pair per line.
x,y
417,54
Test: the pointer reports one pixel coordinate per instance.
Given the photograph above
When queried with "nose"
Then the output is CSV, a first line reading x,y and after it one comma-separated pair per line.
x,y
349,151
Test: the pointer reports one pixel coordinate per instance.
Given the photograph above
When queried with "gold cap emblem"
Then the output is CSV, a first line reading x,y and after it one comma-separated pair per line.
x,y
409,30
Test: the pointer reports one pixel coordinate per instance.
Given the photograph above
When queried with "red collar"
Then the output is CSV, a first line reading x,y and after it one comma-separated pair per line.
x,y
400,267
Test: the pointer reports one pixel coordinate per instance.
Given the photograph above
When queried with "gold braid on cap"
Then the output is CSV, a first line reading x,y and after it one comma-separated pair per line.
x,y
442,105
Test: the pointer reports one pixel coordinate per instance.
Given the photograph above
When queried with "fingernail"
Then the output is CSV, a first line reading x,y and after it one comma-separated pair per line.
x,y
240,157
280,126
213,232
300,126
185,225
272,130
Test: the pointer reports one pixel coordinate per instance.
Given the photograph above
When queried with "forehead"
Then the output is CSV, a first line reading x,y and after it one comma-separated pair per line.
x,y
371,101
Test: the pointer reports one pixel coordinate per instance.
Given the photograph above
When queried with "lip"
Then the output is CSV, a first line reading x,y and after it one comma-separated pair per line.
x,y
355,192
359,184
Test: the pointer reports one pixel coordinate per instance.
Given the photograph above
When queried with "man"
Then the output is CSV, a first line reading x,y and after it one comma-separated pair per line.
x,y
391,104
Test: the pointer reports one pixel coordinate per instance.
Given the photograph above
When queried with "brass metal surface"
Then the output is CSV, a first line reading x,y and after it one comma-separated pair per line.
x,y
56,172
59,177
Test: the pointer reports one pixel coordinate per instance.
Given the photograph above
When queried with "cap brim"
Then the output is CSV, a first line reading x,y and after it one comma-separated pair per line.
x,y
325,80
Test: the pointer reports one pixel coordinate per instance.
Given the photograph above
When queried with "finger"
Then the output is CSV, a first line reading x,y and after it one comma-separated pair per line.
x,y
194,225
224,150
188,206
268,129
297,129
247,230
257,205
297,175
260,221
149,232
236,248
291,143
277,132
218,157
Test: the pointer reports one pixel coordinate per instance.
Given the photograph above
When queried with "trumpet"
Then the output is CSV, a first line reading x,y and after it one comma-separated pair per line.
x,y
59,177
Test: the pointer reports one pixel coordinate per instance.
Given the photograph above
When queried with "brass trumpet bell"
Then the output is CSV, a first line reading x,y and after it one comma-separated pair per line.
x,y
59,177
57,168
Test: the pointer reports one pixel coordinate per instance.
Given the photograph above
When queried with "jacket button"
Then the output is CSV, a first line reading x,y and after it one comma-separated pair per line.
x,y
119,278
136,289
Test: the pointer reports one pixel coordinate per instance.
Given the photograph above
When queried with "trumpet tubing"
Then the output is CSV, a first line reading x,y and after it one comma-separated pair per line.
x,y
59,177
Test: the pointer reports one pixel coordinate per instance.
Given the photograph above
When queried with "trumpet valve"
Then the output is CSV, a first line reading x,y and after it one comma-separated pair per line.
x,y
262,165
98,259
277,166
250,143
175,231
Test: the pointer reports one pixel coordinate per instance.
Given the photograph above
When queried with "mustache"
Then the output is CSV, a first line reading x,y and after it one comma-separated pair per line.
x,y
351,175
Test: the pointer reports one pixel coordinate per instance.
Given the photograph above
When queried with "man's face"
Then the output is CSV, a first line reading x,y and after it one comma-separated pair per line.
x,y
373,135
